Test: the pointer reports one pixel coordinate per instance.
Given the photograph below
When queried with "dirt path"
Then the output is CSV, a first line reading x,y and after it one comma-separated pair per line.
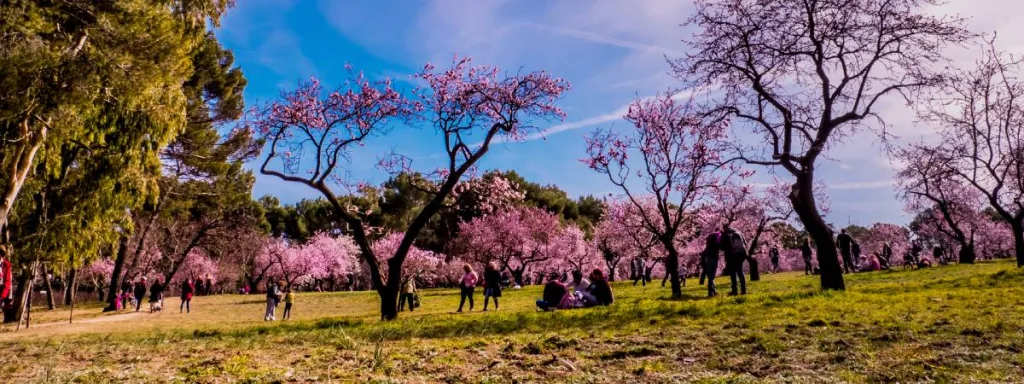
x,y
62,327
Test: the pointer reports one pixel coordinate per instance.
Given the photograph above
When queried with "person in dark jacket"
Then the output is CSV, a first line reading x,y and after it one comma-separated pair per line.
x,y
735,250
187,290
156,295
554,293
806,252
845,243
492,285
773,256
600,289
140,293
710,259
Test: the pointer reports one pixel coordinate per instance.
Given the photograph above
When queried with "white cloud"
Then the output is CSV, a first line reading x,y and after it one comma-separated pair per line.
x,y
860,185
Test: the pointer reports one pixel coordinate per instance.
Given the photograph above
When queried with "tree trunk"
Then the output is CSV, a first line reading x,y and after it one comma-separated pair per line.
x,y
71,287
611,270
388,302
672,265
23,292
115,277
22,161
50,304
1018,242
802,197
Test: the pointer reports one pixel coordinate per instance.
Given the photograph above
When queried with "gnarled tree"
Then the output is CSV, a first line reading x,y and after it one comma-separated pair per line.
x,y
801,75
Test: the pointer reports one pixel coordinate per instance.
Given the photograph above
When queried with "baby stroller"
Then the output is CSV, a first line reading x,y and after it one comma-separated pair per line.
x,y
156,305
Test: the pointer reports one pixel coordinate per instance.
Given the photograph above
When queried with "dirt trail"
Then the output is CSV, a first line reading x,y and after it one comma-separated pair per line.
x,y
62,327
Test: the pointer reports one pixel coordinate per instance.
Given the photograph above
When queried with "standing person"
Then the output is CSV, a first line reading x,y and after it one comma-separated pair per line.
x,y
140,293
773,255
735,250
639,268
886,255
187,290
856,251
273,292
408,293
492,285
806,252
845,243
710,259
938,255
209,285
156,296
5,275
122,294
289,299
466,285
200,289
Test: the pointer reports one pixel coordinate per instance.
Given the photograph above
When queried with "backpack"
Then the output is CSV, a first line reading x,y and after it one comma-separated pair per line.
x,y
736,244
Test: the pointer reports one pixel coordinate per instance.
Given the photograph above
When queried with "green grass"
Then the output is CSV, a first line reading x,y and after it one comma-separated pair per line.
x,y
951,324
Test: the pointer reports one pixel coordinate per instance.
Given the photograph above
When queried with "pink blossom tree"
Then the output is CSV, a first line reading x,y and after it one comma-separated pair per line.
x,y
515,240
613,236
879,234
311,133
670,157
98,273
803,75
197,265
980,111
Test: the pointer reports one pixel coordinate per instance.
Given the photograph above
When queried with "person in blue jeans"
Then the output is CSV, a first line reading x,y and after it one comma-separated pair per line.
x,y
709,258
735,250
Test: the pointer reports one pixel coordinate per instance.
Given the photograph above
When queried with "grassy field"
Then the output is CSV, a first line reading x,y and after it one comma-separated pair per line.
x,y
950,324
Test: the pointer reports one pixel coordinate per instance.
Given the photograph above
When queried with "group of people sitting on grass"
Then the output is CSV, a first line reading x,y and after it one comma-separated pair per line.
x,y
577,293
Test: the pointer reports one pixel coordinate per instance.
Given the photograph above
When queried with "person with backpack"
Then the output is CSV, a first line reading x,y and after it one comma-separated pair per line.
x,y
273,292
807,253
845,243
710,259
735,250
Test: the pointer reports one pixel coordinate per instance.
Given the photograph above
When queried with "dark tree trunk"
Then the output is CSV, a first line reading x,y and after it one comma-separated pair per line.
x,y
115,277
802,197
1018,242
672,265
611,270
23,292
755,270
71,287
50,304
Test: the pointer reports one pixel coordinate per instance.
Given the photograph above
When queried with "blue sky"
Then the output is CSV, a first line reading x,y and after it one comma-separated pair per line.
x,y
610,50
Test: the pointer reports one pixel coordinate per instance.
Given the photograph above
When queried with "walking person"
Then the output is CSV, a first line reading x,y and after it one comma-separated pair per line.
x,y
845,243
492,285
408,293
187,290
735,250
773,255
806,252
710,259
637,266
886,259
156,296
466,285
289,299
273,292
140,293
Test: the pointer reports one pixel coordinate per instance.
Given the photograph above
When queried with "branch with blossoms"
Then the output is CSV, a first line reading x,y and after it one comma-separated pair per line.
x,y
461,102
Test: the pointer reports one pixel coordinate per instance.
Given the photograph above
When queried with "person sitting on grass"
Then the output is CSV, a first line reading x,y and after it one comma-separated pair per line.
x,y
581,287
870,264
556,295
600,290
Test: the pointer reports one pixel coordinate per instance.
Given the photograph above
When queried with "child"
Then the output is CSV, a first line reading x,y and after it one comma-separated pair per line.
x,y
289,298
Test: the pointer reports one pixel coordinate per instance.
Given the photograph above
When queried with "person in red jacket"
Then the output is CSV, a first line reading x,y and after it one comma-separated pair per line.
x,y
187,289
5,275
